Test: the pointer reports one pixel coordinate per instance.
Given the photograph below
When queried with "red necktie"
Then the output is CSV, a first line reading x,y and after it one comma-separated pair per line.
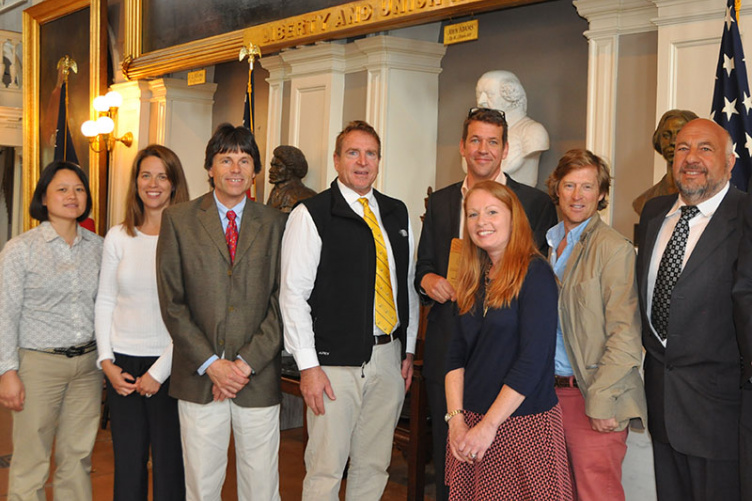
x,y
231,235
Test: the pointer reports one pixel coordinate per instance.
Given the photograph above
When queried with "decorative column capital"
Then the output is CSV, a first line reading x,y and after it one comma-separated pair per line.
x,y
178,89
320,58
609,18
686,11
401,53
276,67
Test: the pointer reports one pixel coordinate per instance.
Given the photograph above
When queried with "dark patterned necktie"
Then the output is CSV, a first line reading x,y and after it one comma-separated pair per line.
x,y
231,235
669,271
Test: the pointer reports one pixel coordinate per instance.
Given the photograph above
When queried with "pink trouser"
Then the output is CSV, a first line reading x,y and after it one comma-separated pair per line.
x,y
595,458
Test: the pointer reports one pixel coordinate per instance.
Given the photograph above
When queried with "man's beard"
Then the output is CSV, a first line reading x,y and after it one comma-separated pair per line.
x,y
699,193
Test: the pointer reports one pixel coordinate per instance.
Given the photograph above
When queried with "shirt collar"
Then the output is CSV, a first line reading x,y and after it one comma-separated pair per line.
x,y
49,234
238,209
706,208
555,235
501,179
351,196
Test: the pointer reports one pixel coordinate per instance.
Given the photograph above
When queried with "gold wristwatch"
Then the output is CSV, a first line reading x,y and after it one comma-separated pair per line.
x,y
450,415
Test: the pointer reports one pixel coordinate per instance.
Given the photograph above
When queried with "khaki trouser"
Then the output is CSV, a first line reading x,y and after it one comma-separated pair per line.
x,y
63,400
359,424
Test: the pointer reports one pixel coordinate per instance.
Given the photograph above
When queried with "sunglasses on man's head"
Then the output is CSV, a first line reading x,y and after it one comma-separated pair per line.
x,y
476,111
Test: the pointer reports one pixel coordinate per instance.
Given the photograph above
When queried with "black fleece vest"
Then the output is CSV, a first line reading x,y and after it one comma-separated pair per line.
x,y
343,293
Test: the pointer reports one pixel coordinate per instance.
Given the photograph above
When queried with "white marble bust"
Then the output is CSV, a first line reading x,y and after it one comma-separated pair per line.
x,y
502,90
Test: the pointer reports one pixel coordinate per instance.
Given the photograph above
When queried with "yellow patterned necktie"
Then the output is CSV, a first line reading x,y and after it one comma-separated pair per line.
x,y
386,313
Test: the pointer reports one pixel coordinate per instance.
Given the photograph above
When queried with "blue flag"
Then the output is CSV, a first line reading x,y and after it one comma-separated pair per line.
x,y
731,99
64,149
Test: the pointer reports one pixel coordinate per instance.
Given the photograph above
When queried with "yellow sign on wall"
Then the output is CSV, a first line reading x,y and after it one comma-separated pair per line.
x,y
461,32
196,77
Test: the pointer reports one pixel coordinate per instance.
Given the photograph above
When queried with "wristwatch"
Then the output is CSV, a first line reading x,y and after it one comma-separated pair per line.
x,y
450,415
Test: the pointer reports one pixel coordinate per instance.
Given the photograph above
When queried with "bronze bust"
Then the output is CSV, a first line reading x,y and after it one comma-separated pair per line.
x,y
664,141
288,167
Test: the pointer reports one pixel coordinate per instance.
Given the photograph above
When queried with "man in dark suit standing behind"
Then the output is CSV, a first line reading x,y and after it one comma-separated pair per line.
x,y
685,271
484,146
218,281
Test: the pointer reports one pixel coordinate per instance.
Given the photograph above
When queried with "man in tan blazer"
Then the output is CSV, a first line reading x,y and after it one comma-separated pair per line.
x,y
218,280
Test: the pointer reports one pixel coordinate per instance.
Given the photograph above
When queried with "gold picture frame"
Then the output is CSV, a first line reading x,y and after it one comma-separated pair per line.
x,y
34,20
347,20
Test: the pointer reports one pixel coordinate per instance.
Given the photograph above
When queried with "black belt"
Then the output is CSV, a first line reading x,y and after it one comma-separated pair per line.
x,y
71,351
565,382
383,339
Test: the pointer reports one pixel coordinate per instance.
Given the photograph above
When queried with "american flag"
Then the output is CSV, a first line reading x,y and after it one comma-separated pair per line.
x,y
731,99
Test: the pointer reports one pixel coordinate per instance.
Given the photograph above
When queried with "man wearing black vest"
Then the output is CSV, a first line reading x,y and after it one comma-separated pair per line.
x,y
351,317
483,146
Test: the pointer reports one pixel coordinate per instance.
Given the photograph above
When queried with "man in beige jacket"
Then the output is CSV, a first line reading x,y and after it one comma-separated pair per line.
x,y
598,349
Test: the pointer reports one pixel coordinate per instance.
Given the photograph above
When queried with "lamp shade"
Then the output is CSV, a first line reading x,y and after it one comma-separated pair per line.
x,y
105,125
100,104
89,128
114,99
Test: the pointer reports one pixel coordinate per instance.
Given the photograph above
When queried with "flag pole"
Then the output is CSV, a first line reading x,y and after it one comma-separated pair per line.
x,y
66,64
252,52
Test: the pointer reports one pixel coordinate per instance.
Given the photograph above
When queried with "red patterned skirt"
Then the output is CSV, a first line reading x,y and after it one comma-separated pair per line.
x,y
527,461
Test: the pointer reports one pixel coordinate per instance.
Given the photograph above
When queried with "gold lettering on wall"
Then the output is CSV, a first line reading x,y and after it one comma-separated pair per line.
x,y
352,17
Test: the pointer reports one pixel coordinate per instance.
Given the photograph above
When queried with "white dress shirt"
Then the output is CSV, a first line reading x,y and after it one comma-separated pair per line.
x,y
697,226
301,252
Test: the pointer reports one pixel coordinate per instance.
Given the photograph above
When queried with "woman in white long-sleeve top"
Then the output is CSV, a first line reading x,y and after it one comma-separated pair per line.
x,y
135,349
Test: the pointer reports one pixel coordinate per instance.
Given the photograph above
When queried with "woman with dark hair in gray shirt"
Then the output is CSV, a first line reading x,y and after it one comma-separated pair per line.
x,y
48,373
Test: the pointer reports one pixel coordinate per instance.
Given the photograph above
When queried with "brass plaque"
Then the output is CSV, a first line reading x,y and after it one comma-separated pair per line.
x,y
196,77
461,32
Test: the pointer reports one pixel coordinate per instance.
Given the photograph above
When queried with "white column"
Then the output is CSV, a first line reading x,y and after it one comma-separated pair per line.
x,y
317,90
608,20
277,72
133,117
181,119
402,105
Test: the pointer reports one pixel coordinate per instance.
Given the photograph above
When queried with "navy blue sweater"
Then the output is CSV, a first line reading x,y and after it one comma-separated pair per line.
x,y
513,346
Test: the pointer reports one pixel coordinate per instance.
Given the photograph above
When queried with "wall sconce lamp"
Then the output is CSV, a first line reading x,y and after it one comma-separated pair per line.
x,y
101,132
